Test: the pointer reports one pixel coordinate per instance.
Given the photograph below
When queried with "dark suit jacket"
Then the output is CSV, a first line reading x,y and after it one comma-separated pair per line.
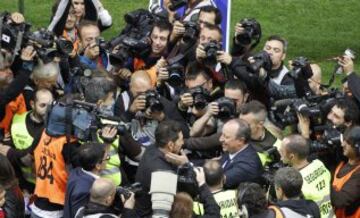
x,y
244,167
77,191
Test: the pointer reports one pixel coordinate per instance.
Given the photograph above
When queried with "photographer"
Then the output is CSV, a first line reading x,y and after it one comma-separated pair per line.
x,y
345,186
255,114
288,183
169,140
102,196
234,90
11,98
90,53
92,158
271,70
295,151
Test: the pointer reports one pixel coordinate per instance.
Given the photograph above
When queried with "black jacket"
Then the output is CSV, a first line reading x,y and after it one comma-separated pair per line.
x,y
14,206
103,211
211,208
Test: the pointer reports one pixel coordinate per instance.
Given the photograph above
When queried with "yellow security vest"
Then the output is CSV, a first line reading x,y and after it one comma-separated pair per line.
x,y
317,185
22,140
198,208
112,169
264,157
227,203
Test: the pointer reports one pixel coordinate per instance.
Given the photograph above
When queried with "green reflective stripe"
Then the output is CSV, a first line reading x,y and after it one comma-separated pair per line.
x,y
227,202
325,207
19,133
28,174
112,152
264,158
112,173
109,171
198,208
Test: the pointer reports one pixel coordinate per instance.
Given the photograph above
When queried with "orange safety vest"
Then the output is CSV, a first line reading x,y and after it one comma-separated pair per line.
x,y
139,64
16,106
337,184
51,174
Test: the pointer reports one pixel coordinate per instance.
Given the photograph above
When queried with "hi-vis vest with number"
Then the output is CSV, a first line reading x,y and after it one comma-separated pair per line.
x,y
51,174
338,184
316,186
22,140
227,203
112,170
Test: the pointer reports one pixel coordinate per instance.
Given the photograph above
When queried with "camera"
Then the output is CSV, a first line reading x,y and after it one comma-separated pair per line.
x,y
201,97
227,108
187,180
176,74
301,68
192,31
331,138
153,101
83,119
211,48
126,192
262,59
347,53
252,31
176,4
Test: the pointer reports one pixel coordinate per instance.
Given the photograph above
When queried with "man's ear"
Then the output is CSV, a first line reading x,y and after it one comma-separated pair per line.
x,y
283,56
32,104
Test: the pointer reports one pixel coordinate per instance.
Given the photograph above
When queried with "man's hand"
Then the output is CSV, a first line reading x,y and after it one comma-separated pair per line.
x,y
200,53
347,64
178,29
130,202
138,104
239,29
108,133
154,115
304,125
161,63
92,51
212,109
200,175
177,159
122,73
186,100
28,53
224,57
163,75
4,149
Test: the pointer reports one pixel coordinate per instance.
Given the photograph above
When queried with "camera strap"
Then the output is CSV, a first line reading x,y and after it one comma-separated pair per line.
x,y
68,118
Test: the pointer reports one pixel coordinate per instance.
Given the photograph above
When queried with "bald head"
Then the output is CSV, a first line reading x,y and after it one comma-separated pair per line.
x,y
101,190
214,173
140,82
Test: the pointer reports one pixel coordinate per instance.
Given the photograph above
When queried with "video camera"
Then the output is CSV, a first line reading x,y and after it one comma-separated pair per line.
x,y
79,119
192,31
284,112
252,31
330,139
187,180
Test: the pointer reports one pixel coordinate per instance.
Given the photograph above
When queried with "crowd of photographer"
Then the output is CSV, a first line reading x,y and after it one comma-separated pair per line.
x,y
161,121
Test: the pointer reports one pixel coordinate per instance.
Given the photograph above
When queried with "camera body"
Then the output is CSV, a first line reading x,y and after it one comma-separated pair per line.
x,y
192,31
176,74
153,101
227,108
301,68
187,180
252,31
211,48
201,97
262,59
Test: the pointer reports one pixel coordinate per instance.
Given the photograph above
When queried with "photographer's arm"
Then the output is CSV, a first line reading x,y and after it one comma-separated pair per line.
x,y
203,126
131,148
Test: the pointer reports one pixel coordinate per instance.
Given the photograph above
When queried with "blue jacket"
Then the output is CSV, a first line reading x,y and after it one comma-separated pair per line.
x,y
244,167
77,191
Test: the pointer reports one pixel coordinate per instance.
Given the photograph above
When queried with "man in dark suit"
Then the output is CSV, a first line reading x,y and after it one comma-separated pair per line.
x,y
92,159
240,161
